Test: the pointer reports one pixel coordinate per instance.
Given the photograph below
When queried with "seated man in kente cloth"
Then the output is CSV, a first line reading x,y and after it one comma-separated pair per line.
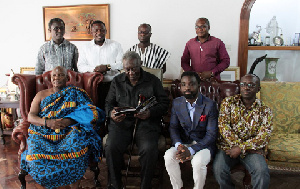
x,y
62,135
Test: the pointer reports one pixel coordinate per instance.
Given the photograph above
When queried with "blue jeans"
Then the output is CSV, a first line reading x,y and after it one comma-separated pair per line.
x,y
254,163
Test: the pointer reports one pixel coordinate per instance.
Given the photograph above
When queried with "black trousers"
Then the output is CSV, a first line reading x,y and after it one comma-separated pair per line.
x,y
117,144
102,93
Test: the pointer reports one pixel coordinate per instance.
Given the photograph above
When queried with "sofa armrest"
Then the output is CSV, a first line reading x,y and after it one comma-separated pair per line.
x,y
20,135
91,81
27,86
20,132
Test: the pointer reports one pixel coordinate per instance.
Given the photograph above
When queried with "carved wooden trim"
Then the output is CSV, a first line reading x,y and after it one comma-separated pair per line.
x,y
243,37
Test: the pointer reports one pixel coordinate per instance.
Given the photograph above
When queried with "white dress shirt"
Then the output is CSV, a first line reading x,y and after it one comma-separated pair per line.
x,y
93,55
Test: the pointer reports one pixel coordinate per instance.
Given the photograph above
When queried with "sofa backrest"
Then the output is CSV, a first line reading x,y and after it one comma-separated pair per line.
x,y
284,101
44,81
214,89
30,85
157,72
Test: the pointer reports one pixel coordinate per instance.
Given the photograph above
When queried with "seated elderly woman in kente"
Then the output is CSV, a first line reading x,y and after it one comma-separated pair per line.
x,y
62,135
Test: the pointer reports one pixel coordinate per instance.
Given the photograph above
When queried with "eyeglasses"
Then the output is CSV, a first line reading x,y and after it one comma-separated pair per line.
x,y
133,69
201,27
99,30
249,85
58,28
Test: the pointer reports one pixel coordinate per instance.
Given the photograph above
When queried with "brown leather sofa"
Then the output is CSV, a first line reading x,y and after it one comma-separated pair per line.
x,y
213,89
217,91
30,85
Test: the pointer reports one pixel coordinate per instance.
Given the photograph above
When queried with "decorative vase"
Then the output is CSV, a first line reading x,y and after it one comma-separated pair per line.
x,y
8,121
270,74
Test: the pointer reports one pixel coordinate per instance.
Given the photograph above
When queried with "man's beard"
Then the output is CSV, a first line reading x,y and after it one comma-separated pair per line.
x,y
190,96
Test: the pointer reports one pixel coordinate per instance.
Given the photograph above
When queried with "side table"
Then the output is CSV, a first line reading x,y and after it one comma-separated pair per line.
x,y
7,104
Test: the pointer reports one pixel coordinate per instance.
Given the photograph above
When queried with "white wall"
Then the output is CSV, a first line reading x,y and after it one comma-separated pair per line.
x,y
172,24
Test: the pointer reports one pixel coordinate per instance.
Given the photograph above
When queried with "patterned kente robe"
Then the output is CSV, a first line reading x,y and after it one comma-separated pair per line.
x,y
58,159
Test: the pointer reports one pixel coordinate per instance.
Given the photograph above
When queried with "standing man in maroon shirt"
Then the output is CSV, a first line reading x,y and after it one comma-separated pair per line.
x,y
205,54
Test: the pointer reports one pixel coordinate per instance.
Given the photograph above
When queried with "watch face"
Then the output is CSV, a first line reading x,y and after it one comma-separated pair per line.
x,y
272,67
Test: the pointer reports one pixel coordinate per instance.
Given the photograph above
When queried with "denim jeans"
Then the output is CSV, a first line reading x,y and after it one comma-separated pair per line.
x,y
254,163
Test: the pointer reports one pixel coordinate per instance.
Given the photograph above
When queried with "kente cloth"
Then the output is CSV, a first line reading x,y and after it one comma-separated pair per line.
x,y
153,57
59,159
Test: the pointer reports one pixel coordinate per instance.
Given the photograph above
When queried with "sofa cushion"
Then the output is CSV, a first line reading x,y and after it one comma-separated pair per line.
x,y
284,100
284,148
284,167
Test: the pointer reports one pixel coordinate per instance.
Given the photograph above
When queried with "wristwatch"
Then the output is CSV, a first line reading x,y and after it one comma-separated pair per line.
x,y
108,67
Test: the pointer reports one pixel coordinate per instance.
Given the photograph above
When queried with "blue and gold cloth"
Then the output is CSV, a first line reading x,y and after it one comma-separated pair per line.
x,y
59,159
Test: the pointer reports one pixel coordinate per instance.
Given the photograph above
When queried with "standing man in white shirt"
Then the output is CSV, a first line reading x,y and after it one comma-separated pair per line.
x,y
101,55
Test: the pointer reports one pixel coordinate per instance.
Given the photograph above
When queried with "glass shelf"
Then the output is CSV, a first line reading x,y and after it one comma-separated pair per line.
x,y
287,48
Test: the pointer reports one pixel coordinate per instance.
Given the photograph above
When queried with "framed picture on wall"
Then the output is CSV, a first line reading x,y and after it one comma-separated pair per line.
x,y
232,73
78,20
27,70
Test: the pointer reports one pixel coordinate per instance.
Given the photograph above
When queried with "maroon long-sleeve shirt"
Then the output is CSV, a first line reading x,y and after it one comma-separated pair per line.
x,y
208,56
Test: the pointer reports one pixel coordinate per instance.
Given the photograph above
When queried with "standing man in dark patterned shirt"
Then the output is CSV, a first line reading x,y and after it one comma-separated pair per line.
x,y
205,54
152,55
58,51
245,126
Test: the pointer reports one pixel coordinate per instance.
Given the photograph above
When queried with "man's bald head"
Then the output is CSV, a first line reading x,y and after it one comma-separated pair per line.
x,y
63,69
59,77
